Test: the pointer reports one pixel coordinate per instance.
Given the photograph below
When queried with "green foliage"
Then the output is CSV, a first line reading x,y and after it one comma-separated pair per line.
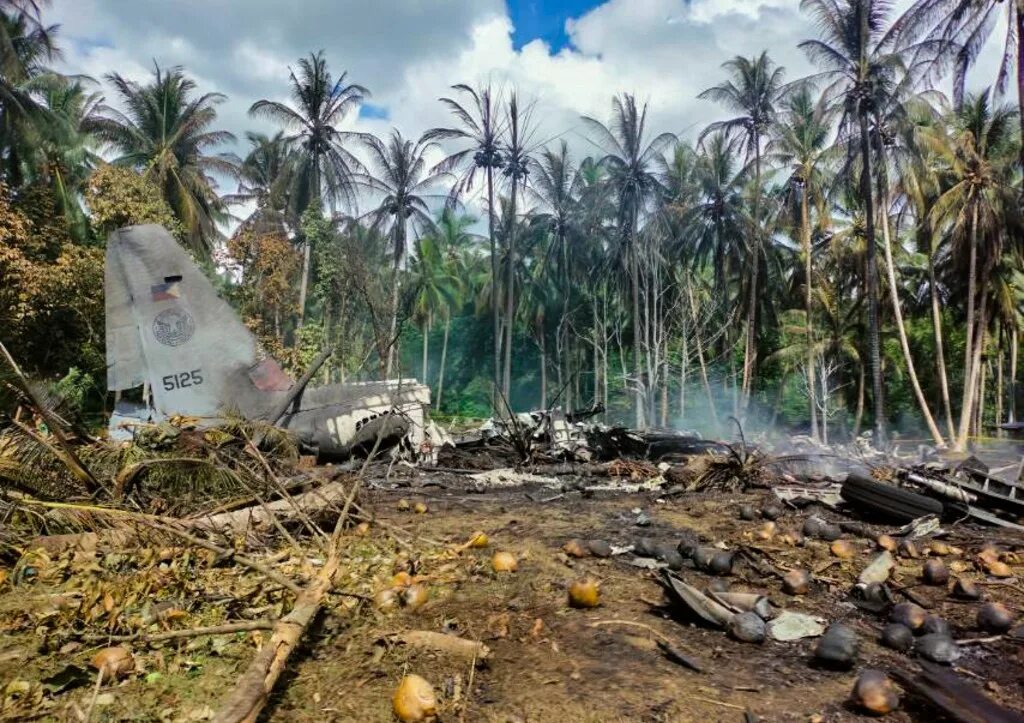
x,y
118,196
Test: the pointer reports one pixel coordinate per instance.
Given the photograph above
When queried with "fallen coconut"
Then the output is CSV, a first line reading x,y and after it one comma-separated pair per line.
x,y
575,548
994,617
875,692
420,508
670,556
966,589
767,531
478,540
362,529
385,600
403,505
401,579
908,614
843,549
414,597
886,542
838,647
748,627
935,625
772,512
908,549
898,637
812,526
999,569
830,533
702,557
414,700
934,572
599,548
937,648
645,547
504,562
584,594
721,563
796,582
113,662
747,512
938,547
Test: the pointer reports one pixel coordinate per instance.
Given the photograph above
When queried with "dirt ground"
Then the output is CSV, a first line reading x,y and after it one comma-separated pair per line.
x,y
546,661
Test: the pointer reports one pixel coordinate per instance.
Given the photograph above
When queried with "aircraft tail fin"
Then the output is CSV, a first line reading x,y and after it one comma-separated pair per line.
x,y
167,325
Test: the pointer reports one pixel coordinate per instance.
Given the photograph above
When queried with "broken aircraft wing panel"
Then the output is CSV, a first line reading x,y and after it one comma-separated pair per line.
x,y
166,324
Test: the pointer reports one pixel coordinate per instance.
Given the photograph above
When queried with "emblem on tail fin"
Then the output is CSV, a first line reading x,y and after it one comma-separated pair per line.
x,y
173,327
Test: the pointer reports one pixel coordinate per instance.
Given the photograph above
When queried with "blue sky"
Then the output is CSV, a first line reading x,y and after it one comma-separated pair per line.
x,y
545,19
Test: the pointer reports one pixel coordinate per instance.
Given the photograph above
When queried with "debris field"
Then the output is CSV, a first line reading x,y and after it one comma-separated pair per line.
x,y
722,583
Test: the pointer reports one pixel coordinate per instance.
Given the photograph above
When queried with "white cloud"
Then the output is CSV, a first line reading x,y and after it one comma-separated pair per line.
x,y
409,53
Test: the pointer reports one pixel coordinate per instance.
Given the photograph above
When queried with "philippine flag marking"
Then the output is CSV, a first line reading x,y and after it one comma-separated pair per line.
x,y
166,292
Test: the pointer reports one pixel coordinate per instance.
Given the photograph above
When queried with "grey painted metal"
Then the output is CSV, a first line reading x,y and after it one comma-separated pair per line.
x,y
167,326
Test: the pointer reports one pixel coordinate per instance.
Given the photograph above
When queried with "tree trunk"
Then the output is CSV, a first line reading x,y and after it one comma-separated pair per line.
x,y
999,385
426,348
392,340
805,233
634,262
940,354
972,285
495,286
303,286
858,417
1012,417
684,359
874,340
890,268
700,359
1020,77
510,300
750,350
543,370
596,352
444,358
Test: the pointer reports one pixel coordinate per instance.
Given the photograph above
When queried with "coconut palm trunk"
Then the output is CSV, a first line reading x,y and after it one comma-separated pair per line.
x,y
805,234
392,340
634,279
750,350
495,317
1012,413
940,354
510,294
444,359
969,379
871,272
890,269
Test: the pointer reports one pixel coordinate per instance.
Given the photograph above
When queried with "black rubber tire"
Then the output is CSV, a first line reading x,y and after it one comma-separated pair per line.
x,y
886,501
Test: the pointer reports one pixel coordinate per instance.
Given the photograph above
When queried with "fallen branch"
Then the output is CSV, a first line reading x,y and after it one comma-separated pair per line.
x,y
225,629
253,688
444,643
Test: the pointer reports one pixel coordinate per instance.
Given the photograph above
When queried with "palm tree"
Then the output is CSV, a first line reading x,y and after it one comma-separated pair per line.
x,y
976,162
265,176
752,91
26,46
324,171
863,70
436,287
400,179
65,150
630,162
964,28
515,149
555,190
167,134
801,146
481,130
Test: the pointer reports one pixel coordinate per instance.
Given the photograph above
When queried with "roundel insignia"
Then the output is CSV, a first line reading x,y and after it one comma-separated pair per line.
x,y
173,327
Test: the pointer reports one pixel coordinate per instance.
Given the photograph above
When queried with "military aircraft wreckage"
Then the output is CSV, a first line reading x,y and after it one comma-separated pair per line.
x,y
169,334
